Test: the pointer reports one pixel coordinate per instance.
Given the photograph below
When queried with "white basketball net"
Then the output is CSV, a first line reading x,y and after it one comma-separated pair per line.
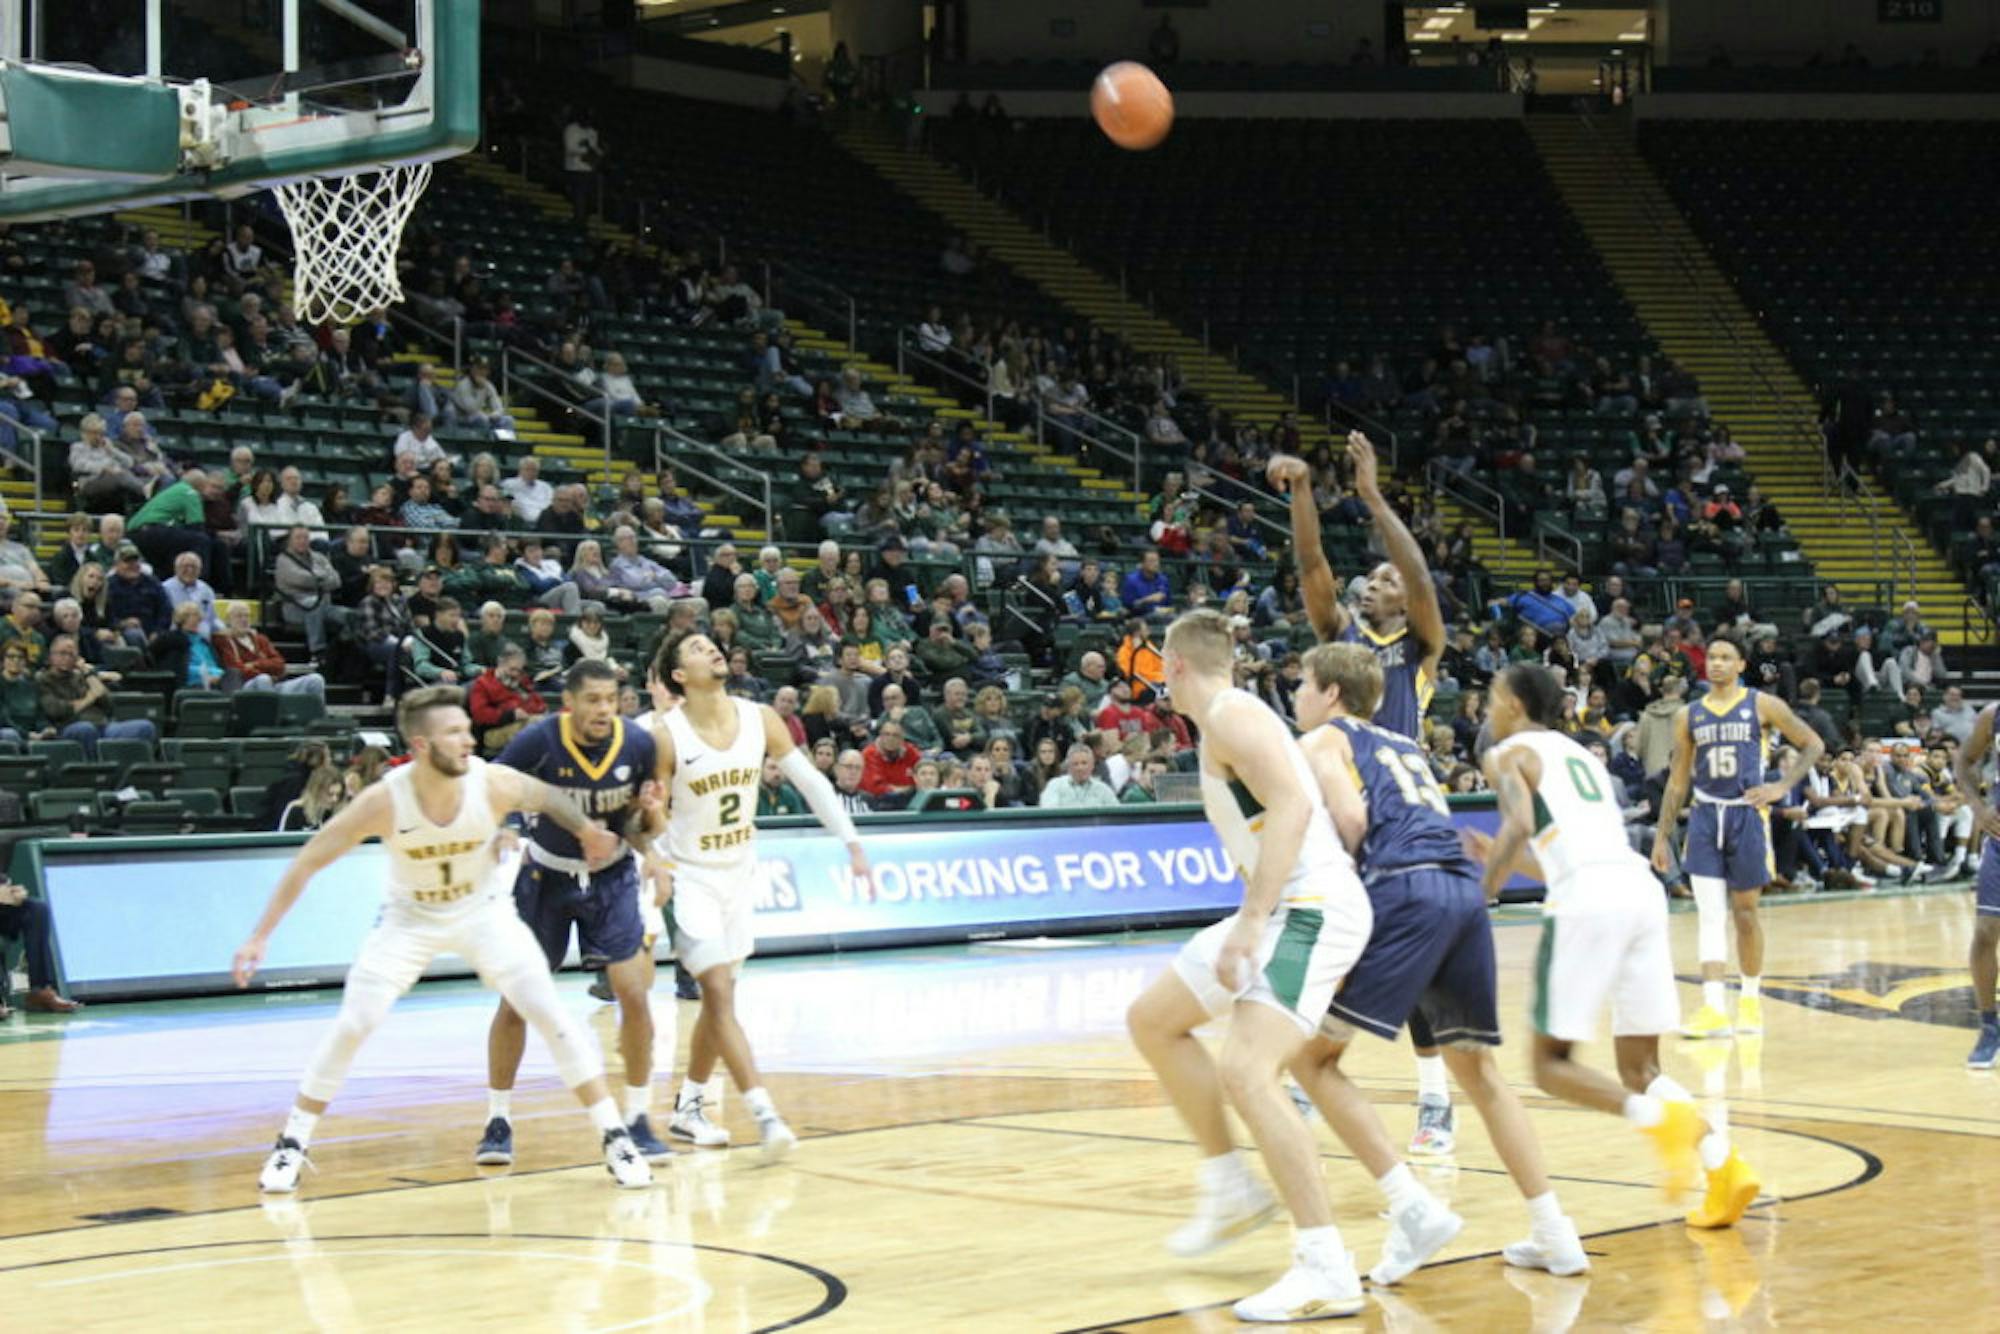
x,y
345,232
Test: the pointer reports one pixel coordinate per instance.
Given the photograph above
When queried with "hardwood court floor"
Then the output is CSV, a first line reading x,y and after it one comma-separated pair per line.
x,y
982,1151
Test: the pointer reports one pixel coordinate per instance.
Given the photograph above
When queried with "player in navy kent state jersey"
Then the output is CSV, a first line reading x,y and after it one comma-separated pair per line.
x,y
1401,623
1430,953
1719,753
592,756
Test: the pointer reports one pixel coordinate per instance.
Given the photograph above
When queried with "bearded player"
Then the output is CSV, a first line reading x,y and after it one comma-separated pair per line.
x,y
1403,626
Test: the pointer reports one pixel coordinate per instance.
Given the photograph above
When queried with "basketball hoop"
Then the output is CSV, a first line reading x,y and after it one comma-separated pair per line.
x,y
345,234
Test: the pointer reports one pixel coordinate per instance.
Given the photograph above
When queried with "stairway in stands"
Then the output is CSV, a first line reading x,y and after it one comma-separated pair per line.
x,y
999,232
1683,298
807,338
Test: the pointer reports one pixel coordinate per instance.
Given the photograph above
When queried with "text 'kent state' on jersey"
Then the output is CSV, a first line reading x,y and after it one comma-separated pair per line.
x,y
603,780
1728,746
1406,692
1409,821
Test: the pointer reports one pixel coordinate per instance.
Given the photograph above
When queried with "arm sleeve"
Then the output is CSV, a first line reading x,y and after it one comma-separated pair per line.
x,y
811,784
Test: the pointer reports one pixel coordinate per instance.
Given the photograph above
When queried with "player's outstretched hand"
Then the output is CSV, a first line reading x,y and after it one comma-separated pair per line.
x,y
861,873
599,844
1285,471
1361,454
248,956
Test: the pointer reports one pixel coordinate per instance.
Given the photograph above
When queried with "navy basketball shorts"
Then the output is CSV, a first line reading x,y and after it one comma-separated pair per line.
x,y
605,911
1989,879
1731,844
1431,953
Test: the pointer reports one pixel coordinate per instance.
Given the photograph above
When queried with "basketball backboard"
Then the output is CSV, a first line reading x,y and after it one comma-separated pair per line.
x,y
115,104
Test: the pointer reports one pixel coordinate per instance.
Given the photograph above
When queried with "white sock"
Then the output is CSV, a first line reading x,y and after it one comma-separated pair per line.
x,y
1544,1211
1431,1085
638,1101
1399,1187
711,1092
1222,1174
300,1126
604,1115
691,1093
1714,995
1643,1110
500,1103
758,1100
1666,1090
1318,1243
1714,1150
1751,986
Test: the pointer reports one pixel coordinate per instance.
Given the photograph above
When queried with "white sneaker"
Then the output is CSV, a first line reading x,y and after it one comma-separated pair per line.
x,y
1220,1218
778,1139
281,1170
1559,1251
1312,1289
691,1123
1416,1233
628,1167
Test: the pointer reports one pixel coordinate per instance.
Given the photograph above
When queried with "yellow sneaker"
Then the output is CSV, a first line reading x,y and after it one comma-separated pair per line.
x,y
1749,1014
1675,1137
1732,1188
1708,1022
1750,1064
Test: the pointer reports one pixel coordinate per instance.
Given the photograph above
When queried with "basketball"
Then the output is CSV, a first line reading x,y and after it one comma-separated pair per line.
x,y
1132,106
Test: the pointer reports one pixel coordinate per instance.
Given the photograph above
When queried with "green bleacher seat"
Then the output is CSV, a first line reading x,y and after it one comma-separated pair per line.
x,y
58,804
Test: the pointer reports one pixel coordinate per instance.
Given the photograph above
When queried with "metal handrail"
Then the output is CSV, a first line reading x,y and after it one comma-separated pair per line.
x,y
1086,443
456,338
907,350
1548,536
1468,491
1044,420
1682,252
32,461
661,431
507,358
1373,427
843,306
1973,608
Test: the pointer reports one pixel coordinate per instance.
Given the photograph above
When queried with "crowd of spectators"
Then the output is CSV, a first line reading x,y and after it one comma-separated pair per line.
x,y
1030,676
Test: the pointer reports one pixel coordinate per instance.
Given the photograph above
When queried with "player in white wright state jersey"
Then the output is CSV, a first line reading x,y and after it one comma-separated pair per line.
x,y
1272,967
1604,938
711,757
440,817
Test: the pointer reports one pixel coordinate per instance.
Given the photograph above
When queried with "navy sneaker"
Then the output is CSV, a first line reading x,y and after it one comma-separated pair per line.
x,y
600,989
647,1142
496,1146
1986,1050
